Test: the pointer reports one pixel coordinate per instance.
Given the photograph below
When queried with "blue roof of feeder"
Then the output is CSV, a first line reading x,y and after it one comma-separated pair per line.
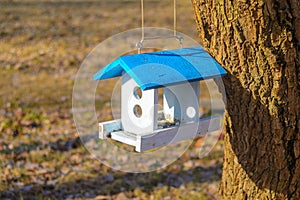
x,y
164,68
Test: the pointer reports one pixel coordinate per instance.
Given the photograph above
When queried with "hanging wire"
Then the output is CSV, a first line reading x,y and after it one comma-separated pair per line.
x,y
175,18
143,20
140,43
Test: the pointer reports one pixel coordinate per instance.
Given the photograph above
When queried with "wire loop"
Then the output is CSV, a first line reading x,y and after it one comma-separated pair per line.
x,y
139,44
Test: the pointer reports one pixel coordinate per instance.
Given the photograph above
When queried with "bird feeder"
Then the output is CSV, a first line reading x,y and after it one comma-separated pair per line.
x,y
179,71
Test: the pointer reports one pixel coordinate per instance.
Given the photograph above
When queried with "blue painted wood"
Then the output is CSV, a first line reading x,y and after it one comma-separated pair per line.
x,y
164,68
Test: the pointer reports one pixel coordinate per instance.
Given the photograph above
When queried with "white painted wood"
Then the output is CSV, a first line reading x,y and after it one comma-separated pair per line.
x,y
147,122
181,102
126,138
106,128
163,137
177,134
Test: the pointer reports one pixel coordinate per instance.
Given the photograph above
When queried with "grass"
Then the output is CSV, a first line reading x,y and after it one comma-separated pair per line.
x,y
42,44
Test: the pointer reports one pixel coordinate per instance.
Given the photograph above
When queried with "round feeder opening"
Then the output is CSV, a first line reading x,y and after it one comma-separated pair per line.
x,y
137,110
138,93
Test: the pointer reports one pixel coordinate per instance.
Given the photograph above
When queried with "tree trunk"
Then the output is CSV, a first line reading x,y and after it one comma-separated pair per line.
x,y
257,42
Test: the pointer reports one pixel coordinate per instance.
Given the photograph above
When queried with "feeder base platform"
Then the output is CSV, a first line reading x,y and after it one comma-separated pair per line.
x,y
159,137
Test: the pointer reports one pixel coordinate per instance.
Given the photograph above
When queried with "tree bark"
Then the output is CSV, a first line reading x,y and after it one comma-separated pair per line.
x,y
258,43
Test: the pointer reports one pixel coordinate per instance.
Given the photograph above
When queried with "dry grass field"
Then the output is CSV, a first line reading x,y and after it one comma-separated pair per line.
x,y
42,44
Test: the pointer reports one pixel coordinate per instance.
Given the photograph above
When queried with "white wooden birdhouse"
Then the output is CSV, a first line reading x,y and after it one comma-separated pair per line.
x,y
178,72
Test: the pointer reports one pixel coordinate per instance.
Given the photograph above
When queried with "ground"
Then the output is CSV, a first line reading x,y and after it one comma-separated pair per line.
x,y
42,44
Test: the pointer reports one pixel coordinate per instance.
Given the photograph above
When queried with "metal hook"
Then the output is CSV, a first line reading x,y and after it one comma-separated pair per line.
x,y
139,45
